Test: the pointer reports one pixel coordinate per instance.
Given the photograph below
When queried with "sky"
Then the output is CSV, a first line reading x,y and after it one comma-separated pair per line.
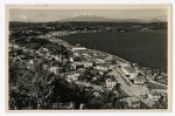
x,y
44,15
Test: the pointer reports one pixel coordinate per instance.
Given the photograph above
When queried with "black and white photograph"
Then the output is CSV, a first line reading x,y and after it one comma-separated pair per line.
x,y
88,57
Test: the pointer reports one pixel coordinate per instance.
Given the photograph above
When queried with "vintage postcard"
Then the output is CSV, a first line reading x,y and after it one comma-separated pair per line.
x,y
89,57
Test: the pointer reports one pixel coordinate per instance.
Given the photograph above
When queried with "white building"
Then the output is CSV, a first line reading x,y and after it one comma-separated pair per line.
x,y
100,60
78,48
30,64
101,68
140,80
87,64
87,55
54,69
71,59
110,84
72,77
76,54
152,97
125,65
129,72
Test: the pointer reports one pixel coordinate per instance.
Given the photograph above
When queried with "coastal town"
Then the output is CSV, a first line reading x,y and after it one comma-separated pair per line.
x,y
75,77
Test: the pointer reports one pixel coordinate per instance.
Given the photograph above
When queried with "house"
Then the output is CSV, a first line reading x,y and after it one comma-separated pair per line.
x,y
55,69
101,68
139,80
72,77
158,92
110,83
152,97
125,64
87,64
132,102
71,59
99,61
129,72
76,54
78,48
30,64
86,55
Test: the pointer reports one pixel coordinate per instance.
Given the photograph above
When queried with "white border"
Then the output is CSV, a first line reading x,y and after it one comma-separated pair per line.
x,y
2,54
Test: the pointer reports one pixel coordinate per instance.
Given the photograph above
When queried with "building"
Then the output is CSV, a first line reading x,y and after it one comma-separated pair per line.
x,y
158,92
76,65
86,55
87,64
101,68
100,61
132,102
125,65
72,77
76,54
129,72
71,59
152,97
78,48
139,80
110,83
30,64
55,69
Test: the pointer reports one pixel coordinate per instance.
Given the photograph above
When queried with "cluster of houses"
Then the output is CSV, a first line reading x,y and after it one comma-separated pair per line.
x,y
80,61
65,32
133,73
99,65
131,102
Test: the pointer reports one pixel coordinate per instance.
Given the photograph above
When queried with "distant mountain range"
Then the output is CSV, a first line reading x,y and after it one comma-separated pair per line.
x,y
105,19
